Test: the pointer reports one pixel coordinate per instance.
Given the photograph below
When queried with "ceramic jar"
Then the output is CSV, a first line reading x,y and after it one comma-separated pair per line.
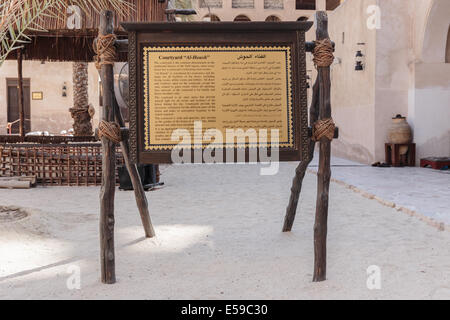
x,y
399,131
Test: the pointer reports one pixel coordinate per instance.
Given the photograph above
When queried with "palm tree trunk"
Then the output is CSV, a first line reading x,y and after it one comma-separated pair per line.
x,y
82,125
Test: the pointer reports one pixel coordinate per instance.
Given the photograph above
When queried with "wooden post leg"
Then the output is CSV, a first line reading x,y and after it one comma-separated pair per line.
x,y
324,172
412,155
139,192
107,193
301,169
20,93
387,156
321,222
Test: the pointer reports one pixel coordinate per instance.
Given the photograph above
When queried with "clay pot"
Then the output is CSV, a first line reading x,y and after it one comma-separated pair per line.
x,y
399,131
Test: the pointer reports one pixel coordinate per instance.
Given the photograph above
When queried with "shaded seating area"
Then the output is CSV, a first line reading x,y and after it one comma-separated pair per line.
x,y
64,160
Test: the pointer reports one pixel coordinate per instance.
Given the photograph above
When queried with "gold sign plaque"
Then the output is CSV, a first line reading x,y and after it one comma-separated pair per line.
x,y
235,92
38,95
217,88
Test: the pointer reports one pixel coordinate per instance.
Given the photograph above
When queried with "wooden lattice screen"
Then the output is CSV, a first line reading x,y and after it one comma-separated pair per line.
x,y
60,165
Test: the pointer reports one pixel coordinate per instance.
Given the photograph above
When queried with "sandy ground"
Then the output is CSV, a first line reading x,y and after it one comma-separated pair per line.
x,y
219,237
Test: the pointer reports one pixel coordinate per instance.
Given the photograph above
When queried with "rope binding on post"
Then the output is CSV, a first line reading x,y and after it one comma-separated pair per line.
x,y
323,53
109,130
323,57
323,128
105,50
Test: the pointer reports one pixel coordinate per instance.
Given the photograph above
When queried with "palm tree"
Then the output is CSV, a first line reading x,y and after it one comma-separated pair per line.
x,y
81,111
18,16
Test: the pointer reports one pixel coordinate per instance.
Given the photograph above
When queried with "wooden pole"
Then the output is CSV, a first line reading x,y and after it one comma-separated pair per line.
x,y
324,173
301,169
139,192
20,92
107,191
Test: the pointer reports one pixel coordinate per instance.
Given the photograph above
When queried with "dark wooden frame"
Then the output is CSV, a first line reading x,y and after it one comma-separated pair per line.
x,y
217,33
14,82
392,154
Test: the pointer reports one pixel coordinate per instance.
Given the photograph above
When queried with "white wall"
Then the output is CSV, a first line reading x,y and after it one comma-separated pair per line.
x,y
432,83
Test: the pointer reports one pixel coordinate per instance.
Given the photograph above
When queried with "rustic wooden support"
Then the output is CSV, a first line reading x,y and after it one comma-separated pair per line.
x,y
324,172
310,45
139,192
185,12
20,93
121,45
14,183
301,169
320,110
124,132
107,192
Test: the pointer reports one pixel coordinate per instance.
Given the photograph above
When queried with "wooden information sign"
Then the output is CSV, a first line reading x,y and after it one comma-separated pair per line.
x,y
227,86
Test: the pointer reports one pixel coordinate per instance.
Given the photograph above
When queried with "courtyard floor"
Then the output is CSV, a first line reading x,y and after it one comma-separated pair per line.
x,y
219,237
423,191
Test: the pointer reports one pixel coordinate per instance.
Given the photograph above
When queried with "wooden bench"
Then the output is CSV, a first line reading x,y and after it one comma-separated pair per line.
x,y
435,162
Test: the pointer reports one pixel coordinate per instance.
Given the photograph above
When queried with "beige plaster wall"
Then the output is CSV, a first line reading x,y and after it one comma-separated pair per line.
x,y
405,73
353,92
52,113
394,67
432,82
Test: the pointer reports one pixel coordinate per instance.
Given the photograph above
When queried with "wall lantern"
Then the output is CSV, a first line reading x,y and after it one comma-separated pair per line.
x,y
360,59
308,80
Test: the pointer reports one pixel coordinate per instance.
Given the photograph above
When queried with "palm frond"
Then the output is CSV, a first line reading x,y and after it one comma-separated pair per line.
x,y
18,16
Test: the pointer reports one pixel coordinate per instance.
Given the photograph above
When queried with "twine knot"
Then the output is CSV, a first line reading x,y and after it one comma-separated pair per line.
x,y
105,50
323,53
323,128
76,111
109,130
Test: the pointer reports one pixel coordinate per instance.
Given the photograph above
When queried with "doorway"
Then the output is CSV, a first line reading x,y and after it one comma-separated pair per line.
x,y
447,50
12,87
